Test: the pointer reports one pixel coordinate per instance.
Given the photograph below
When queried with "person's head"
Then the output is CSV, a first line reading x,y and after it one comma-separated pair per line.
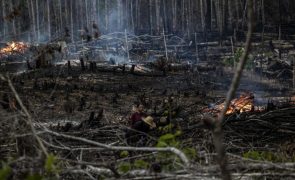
x,y
140,108
134,109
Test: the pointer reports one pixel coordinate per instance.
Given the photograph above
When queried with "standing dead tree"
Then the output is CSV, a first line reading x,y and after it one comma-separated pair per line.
x,y
218,133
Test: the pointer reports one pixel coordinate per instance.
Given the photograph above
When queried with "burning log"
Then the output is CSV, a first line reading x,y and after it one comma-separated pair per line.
x,y
245,103
13,47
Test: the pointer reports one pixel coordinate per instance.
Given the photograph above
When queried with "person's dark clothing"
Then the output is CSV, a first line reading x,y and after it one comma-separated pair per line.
x,y
137,135
135,117
141,126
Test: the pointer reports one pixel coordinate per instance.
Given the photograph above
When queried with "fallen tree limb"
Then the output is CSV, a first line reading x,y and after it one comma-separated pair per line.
x,y
176,151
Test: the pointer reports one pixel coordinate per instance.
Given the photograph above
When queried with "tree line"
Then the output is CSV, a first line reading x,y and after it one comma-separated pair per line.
x,y
42,20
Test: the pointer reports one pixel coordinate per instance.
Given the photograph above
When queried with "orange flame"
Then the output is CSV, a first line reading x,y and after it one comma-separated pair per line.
x,y
245,103
14,47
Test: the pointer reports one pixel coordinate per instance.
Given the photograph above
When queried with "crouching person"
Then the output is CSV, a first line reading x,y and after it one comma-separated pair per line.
x,y
137,135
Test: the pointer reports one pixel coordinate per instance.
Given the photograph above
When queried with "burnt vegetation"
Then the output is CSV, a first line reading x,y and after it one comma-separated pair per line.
x,y
147,89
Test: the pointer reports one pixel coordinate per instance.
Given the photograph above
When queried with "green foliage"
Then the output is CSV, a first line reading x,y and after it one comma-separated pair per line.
x,y
124,154
236,59
124,167
51,164
266,156
191,153
252,155
168,159
166,128
141,164
268,54
168,140
238,54
34,177
169,128
5,172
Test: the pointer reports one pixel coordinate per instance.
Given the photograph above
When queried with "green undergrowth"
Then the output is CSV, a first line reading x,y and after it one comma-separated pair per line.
x,y
276,157
50,170
235,59
168,161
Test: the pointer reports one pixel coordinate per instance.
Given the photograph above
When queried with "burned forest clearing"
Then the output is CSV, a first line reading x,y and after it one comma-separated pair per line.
x,y
131,89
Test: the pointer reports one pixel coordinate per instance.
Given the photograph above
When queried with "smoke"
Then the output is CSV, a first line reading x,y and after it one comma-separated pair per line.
x,y
112,20
117,59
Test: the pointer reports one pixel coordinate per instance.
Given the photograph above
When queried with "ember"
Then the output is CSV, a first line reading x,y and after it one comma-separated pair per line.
x,y
245,103
13,47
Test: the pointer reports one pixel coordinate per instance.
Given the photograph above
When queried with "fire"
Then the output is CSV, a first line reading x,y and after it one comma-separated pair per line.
x,y
13,47
245,103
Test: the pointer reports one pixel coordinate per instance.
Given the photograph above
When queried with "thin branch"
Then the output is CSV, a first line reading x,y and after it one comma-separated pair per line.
x,y
29,120
218,133
93,164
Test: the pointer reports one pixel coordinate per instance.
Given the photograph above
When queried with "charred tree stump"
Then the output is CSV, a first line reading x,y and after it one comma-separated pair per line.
x,y
94,66
69,67
132,69
82,64
93,121
29,65
124,68
82,104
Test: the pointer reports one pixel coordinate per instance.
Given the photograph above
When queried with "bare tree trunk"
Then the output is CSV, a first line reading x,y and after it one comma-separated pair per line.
x,y
4,15
183,16
262,20
219,17
30,17
60,16
78,13
151,16
158,15
66,7
263,13
280,17
174,12
72,21
132,16
202,15
224,16
136,19
13,20
165,18
38,20
87,13
230,12
208,17
244,15
94,11
119,9
237,14
48,21
33,19
106,14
